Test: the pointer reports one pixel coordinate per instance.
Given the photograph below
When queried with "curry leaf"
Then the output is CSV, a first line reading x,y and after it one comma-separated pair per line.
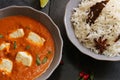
x,y
44,60
38,62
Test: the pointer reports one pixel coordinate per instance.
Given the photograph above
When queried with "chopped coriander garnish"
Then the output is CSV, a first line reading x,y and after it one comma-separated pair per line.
x,y
44,60
49,52
38,62
15,45
27,47
1,36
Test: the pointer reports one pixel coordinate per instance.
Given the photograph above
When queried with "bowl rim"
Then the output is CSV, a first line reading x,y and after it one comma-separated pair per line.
x,y
54,25
70,32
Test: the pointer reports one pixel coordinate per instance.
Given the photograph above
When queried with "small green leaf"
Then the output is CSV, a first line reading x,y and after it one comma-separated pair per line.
x,y
38,62
44,60
15,45
1,36
27,47
79,78
91,76
82,79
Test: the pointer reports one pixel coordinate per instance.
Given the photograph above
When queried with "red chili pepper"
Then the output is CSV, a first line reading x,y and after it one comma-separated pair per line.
x,y
82,74
86,76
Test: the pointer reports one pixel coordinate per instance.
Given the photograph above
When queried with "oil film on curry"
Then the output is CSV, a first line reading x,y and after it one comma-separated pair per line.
x,y
26,48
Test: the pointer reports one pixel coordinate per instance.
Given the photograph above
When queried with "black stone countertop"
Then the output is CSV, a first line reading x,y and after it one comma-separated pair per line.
x,y
73,60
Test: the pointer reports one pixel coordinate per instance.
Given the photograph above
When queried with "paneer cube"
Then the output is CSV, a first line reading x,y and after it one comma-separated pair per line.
x,y
6,66
5,46
35,39
25,58
17,34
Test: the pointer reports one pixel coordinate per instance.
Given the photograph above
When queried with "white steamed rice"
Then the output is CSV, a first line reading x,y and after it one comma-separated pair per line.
x,y
107,25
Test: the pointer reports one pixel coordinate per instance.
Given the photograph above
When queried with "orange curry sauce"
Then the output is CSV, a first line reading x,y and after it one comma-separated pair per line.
x,y
43,54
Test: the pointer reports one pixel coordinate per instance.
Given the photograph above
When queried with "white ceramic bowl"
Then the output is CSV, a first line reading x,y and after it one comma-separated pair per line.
x,y
70,33
47,21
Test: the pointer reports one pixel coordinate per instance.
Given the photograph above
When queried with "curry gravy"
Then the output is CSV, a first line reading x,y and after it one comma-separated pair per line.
x,y
41,55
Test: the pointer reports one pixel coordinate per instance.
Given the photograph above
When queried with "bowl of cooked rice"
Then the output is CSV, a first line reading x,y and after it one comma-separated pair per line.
x,y
93,26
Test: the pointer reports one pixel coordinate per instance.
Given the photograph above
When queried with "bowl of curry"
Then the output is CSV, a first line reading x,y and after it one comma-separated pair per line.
x,y
30,44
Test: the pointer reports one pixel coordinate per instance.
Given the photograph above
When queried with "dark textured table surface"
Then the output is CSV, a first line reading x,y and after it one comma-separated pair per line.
x,y
74,61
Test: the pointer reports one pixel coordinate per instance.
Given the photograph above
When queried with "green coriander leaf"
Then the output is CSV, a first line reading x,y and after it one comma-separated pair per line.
x,y
38,62
49,52
1,36
15,45
44,60
27,47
